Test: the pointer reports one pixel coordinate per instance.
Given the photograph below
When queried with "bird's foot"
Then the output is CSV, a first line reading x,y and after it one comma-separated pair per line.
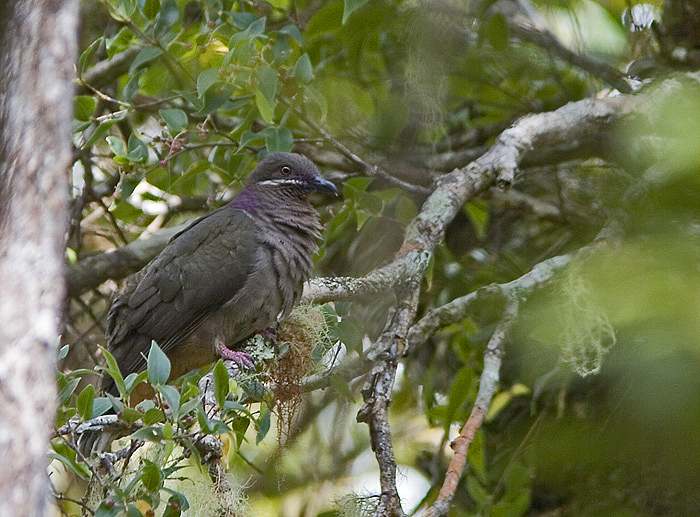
x,y
270,335
242,359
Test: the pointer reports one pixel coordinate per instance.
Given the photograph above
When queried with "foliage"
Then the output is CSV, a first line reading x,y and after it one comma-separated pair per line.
x,y
178,99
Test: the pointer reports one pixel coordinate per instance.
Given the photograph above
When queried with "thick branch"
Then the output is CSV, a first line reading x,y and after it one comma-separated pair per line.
x,y
109,70
117,263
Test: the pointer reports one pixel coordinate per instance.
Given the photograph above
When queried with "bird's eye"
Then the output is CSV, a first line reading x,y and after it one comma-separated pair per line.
x,y
285,170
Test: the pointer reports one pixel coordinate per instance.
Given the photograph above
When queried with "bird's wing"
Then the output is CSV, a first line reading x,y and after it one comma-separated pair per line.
x,y
200,269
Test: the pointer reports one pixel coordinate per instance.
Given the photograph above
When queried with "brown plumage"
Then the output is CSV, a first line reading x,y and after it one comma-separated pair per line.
x,y
226,276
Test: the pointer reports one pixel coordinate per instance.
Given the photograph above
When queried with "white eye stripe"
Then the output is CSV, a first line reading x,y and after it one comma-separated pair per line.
x,y
281,181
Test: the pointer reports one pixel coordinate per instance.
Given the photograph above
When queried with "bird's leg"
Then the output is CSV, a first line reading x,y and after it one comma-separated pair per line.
x,y
270,335
242,359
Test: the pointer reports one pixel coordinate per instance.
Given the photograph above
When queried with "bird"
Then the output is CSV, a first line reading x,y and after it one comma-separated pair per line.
x,y
226,276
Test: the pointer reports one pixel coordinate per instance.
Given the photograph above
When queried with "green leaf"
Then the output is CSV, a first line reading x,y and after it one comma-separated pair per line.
x,y
476,491
84,402
257,27
151,434
350,334
175,118
105,510
112,369
477,456
119,42
221,383
327,19
279,139
86,56
459,394
98,133
353,186
293,32
264,108
495,31
151,476
66,391
206,80
116,145
350,7
100,406
133,86
303,69
243,20
340,385
134,379
144,56
172,397
63,352
518,478
136,149
153,416
182,503
63,453
478,214
267,80
158,365
263,425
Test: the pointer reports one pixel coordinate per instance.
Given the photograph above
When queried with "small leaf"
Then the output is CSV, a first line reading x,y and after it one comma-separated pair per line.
x,y
206,80
221,383
267,80
144,56
158,365
340,385
153,416
350,7
172,397
151,476
133,86
84,402
303,69
66,391
107,510
264,108
175,118
495,31
116,145
100,406
119,42
84,107
292,31
87,54
280,139
151,434
350,334
136,149
63,351
478,214
63,453
242,20
476,491
257,27
263,425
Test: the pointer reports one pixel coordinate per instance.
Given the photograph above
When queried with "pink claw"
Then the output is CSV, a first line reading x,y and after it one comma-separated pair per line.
x,y
242,359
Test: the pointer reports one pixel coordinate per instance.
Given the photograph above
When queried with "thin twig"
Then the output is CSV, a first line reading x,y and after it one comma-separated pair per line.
x,y
487,387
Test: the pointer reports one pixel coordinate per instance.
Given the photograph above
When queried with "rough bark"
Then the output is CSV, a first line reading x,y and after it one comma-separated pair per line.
x,y
37,50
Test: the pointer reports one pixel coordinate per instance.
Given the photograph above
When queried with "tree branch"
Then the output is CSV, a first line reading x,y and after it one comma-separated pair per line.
x,y
487,387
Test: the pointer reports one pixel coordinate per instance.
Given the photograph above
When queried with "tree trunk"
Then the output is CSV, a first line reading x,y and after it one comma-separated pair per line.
x,y
38,40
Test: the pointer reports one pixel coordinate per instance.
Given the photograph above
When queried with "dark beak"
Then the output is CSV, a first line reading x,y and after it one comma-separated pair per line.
x,y
323,185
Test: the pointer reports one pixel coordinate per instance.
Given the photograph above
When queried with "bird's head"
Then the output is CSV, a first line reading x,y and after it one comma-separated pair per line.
x,y
290,170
